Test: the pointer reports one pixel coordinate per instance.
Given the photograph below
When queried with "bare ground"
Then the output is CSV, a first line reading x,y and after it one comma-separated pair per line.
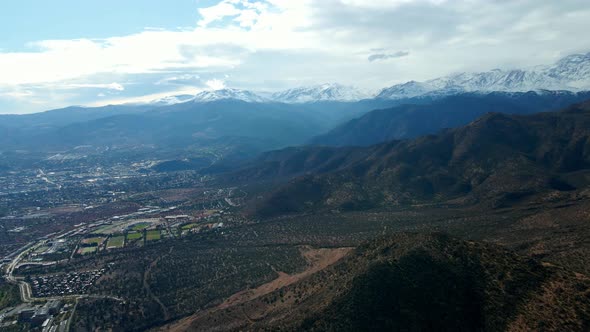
x,y
318,259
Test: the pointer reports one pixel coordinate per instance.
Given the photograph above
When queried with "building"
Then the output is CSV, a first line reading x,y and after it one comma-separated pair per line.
x,y
25,315
53,306
40,316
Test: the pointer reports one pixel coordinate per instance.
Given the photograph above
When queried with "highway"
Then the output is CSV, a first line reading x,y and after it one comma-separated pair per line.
x,y
25,292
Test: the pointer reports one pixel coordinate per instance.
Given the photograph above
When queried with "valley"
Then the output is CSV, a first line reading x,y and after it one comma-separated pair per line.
x,y
304,166
312,209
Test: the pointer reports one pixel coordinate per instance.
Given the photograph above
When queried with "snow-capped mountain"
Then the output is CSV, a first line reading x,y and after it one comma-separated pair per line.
x,y
323,92
171,100
209,96
228,93
406,90
570,73
575,69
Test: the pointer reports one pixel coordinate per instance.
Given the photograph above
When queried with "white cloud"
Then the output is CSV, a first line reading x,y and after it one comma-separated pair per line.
x,y
182,79
280,43
221,10
110,86
385,56
215,84
140,99
18,94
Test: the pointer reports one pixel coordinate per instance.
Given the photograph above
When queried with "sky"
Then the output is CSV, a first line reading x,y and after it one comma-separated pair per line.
x,y
69,52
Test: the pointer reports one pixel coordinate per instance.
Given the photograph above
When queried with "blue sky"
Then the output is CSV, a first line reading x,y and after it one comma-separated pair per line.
x,y
71,52
32,20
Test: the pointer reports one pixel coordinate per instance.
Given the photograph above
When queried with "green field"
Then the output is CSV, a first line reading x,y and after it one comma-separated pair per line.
x,y
140,226
116,241
87,250
210,212
189,226
93,240
134,236
106,229
153,235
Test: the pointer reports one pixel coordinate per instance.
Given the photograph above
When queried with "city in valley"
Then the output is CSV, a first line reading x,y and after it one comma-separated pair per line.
x,y
56,216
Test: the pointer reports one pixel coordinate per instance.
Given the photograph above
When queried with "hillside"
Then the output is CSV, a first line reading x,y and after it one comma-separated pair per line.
x,y
181,124
417,282
496,160
290,162
410,121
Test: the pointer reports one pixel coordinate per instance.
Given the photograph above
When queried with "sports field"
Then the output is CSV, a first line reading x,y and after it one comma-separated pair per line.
x,y
116,241
134,236
153,235
93,240
87,250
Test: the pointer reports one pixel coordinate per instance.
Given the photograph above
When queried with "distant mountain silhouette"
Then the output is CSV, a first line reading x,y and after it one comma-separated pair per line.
x,y
410,121
179,125
496,159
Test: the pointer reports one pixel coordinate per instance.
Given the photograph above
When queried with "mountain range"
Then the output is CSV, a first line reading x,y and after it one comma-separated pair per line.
x,y
496,159
322,92
308,94
199,131
240,124
332,203
239,129
415,119
571,73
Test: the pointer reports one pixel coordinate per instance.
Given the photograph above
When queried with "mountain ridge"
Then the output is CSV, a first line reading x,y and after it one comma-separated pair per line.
x,y
320,92
571,73
416,282
410,121
494,160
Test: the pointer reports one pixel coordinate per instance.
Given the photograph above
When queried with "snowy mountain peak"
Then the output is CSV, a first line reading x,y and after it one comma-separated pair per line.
x,y
573,59
573,69
405,90
228,93
171,100
569,73
321,92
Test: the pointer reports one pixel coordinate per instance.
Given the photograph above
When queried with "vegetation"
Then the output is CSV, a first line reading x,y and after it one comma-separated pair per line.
x,y
497,161
418,282
407,121
134,236
522,263
9,294
449,285
140,226
171,279
189,226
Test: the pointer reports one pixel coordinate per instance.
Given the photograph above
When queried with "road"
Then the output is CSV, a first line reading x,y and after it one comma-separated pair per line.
x,y
26,293
23,286
69,322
